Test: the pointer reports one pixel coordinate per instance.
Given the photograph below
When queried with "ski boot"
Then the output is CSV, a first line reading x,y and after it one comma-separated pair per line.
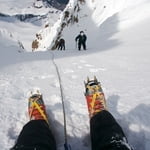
x,y
36,107
94,96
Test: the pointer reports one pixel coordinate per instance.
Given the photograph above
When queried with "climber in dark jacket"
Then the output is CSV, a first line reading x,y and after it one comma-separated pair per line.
x,y
106,133
61,44
81,39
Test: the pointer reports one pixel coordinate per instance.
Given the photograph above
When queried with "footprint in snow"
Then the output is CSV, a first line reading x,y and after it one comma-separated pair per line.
x,y
68,71
73,76
4,82
12,133
55,84
80,67
82,61
47,76
88,65
97,70
55,99
74,63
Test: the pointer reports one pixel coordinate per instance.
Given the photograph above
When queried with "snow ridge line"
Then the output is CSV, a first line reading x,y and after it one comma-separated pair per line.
x,y
67,147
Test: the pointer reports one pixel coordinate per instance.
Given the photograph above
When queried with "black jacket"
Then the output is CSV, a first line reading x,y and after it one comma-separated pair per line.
x,y
81,38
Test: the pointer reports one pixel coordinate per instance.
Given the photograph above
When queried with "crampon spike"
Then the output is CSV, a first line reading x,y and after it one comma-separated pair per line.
x,y
95,79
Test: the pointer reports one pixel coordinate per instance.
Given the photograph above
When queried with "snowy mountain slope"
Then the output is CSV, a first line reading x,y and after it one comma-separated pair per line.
x,y
118,54
94,15
23,7
23,20
90,16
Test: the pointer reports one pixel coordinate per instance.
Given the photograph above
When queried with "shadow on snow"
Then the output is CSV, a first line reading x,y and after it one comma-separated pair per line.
x,y
137,139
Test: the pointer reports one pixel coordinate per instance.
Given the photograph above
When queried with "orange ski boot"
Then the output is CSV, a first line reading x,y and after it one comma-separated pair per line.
x,y
36,108
95,97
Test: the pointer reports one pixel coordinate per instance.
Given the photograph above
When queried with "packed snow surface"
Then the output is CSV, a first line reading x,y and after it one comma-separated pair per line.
x,y
118,53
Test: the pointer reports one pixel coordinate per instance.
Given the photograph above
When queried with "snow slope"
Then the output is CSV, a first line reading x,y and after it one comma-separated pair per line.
x,y
118,54
35,15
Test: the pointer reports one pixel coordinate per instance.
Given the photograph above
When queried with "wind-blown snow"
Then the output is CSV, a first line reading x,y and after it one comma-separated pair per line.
x,y
117,53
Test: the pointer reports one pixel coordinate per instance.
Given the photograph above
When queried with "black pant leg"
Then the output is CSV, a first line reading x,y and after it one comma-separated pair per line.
x,y
64,47
61,47
79,46
36,134
106,133
84,45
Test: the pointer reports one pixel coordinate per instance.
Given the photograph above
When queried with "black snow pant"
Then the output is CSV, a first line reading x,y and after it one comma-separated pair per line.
x,y
61,47
106,133
81,44
35,135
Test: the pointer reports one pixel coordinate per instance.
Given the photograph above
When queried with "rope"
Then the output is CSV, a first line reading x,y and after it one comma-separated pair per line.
x,y
67,147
